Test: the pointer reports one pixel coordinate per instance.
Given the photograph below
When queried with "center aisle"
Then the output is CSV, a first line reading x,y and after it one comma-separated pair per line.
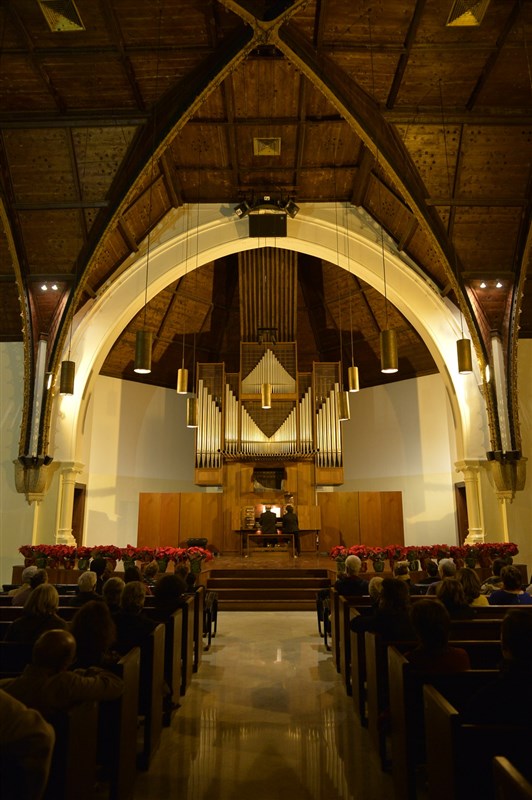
x,y
266,716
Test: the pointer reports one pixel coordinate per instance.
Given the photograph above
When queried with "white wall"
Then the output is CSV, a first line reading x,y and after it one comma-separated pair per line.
x,y
16,516
400,438
139,442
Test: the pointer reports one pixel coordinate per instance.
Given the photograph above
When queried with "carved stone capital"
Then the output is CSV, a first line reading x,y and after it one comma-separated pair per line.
x,y
31,475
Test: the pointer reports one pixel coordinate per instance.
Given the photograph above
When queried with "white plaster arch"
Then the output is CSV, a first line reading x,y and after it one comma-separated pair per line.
x,y
190,237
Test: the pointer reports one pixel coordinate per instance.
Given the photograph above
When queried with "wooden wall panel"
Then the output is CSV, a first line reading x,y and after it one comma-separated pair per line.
x,y
392,514
371,521
190,526
330,520
158,522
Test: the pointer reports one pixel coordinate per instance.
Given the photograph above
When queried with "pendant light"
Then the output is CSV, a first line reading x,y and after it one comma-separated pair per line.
x,y
463,345
387,336
352,371
66,379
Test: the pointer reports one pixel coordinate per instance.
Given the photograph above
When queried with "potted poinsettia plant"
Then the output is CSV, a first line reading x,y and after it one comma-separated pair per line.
x,y
339,554
196,555
378,556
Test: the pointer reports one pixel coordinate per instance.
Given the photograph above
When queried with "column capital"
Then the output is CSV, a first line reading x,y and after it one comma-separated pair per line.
x,y
72,466
470,465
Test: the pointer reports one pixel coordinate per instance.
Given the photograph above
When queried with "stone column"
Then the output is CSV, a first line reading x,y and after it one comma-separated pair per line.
x,y
470,468
67,478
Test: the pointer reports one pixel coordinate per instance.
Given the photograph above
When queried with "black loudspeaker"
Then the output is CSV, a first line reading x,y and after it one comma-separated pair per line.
x,y
267,225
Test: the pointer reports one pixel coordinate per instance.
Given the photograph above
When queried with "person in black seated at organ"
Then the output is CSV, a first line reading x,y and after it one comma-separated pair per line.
x,y
267,524
168,596
291,525
392,615
350,584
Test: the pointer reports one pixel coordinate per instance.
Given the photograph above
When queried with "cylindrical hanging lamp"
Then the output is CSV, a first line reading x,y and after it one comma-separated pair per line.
x,y
143,342
465,363
389,360
182,380
266,395
192,412
66,380
352,379
343,406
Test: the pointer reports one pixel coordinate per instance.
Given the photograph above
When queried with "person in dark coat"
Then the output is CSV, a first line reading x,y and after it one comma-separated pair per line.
x,y
39,616
168,596
431,622
391,617
291,525
451,593
268,521
132,626
350,584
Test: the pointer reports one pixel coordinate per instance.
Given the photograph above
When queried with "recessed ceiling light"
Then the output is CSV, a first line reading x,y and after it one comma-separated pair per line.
x,y
483,284
44,287
54,287
498,285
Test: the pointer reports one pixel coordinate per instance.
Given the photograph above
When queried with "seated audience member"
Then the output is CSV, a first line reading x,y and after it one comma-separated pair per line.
x,y
112,592
450,592
512,593
132,574
149,575
350,584
39,615
95,634
99,566
26,747
38,577
132,627
431,623
392,615
27,574
168,595
495,581
402,573
471,586
432,576
374,589
49,686
508,699
183,570
86,589
446,569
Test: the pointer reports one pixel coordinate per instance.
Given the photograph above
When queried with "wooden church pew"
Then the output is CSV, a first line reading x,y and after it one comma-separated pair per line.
x,y
151,694
73,769
407,730
459,755
510,784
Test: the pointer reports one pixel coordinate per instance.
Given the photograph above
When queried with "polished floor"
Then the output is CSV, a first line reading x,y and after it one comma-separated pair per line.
x,y
266,717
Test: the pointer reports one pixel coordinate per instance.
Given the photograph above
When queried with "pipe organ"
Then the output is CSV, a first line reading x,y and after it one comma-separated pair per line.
x,y
302,422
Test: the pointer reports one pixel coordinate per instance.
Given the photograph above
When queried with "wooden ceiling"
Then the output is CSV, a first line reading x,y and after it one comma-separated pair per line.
x,y
381,105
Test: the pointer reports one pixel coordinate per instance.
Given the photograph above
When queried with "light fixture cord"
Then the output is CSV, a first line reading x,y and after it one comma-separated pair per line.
x,y
379,199
152,166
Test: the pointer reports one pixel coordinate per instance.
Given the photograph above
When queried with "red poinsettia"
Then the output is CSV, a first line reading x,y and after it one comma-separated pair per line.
x,y
338,551
198,553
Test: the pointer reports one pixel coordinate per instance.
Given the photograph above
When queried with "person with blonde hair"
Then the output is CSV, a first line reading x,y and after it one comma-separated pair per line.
x,y
39,616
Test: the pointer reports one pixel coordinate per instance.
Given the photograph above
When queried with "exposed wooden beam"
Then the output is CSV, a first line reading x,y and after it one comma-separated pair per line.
x,y
405,55
363,173
115,31
127,236
495,202
77,182
492,60
171,180
407,235
64,206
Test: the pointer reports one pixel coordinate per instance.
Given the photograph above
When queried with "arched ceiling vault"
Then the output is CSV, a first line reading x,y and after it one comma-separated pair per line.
x,y
426,127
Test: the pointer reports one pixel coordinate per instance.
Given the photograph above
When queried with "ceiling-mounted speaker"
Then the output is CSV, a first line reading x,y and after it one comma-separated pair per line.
x,y
467,13
264,225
